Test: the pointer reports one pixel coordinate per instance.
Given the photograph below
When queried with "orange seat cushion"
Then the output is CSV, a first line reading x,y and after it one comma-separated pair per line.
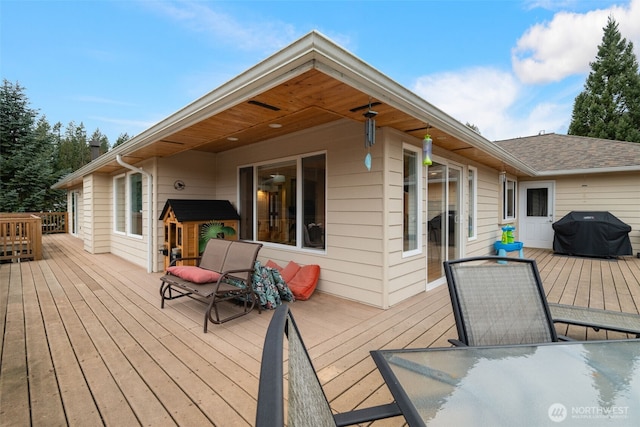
x,y
304,282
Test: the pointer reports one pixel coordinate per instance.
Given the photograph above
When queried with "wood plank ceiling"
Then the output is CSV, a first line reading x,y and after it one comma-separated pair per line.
x,y
310,99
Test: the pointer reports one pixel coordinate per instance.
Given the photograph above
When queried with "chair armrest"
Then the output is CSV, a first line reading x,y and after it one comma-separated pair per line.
x,y
457,343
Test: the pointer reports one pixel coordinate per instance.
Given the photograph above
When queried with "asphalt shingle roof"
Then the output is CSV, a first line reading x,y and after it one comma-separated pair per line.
x,y
555,152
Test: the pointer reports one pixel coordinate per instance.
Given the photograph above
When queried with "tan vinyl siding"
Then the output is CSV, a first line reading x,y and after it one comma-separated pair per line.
x,y
406,274
102,211
195,168
618,193
87,213
352,265
488,213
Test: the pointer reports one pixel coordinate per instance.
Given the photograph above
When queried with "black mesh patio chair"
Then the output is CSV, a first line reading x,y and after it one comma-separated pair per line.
x,y
498,303
308,405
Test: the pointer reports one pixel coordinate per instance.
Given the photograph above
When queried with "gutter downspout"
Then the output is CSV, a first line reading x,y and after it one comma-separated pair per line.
x,y
150,204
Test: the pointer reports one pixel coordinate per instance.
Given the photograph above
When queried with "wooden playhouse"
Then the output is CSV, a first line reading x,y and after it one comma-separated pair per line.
x,y
183,221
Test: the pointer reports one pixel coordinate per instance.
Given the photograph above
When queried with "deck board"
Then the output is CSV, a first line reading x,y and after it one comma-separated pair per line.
x,y
85,341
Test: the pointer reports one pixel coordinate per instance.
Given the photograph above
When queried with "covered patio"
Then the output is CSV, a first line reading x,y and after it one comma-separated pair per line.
x,y
84,341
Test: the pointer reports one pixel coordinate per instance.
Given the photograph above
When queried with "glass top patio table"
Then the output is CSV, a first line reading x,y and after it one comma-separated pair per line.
x,y
575,383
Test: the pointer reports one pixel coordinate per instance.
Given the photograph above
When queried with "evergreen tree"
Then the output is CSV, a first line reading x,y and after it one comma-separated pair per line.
x,y
73,150
26,151
609,106
124,137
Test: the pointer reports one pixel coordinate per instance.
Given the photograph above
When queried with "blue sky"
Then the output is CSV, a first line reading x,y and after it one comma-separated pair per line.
x,y
510,67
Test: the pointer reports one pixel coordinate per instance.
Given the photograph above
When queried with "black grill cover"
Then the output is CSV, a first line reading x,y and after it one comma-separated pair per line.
x,y
598,234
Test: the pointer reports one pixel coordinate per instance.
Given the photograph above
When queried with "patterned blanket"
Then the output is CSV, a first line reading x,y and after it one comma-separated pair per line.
x,y
270,287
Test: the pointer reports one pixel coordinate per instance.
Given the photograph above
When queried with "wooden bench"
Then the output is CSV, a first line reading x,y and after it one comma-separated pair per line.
x,y
229,266
597,319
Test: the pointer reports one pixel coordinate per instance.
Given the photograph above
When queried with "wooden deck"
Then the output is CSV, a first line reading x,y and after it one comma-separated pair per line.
x,y
85,342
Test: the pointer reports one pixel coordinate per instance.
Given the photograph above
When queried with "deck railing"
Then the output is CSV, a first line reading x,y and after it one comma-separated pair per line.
x,y
20,236
53,222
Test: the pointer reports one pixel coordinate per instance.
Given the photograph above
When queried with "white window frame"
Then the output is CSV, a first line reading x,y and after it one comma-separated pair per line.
x,y
119,205
299,197
127,205
419,209
472,233
505,202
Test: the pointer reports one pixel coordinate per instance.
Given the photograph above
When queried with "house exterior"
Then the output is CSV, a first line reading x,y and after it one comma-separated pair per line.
x,y
284,142
575,173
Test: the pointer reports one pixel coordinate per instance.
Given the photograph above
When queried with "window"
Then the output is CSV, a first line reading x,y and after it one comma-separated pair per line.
x,y
508,199
473,202
75,217
537,201
127,204
135,211
411,205
119,204
245,204
285,202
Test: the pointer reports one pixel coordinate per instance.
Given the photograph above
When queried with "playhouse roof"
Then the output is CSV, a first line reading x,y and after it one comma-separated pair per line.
x,y
200,210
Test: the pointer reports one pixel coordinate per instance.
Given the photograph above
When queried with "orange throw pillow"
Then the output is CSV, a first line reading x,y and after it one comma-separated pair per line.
x,y
304,282
194,274
289,272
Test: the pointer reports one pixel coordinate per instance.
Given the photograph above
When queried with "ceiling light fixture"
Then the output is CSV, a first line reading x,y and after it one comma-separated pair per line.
x,y
232,138
275,125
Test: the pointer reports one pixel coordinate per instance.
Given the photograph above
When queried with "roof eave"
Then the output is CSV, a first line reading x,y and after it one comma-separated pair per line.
x,y
343,66
311,51
633,168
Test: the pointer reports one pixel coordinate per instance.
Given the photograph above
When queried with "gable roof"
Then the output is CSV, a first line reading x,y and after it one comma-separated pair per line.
x,y
200,210
311,82
555,154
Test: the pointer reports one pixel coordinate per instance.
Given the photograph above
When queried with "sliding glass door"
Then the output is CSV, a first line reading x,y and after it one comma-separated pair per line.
x,y
445,217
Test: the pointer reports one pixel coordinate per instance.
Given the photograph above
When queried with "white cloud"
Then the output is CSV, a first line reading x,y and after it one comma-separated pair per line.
x,y
478,96
506,104
495,102
564,46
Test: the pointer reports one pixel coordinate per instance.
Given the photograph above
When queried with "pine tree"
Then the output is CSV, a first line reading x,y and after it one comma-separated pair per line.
x,y
73,150
124,137
609,106
26,154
